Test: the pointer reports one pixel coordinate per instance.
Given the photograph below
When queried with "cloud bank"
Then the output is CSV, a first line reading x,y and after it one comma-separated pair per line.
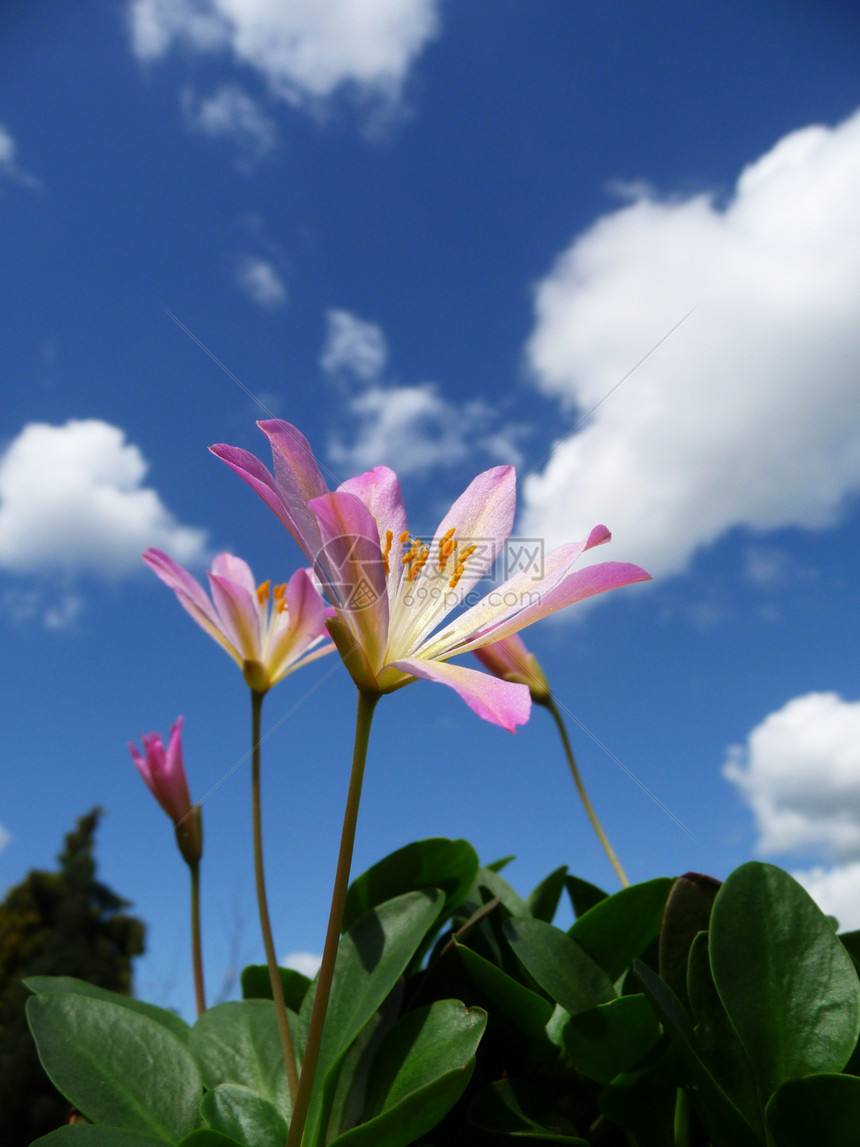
x,y
746,415
305,49
72,499
799,772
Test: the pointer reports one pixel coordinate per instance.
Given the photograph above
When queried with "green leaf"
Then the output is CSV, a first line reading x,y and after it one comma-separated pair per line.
x,y
687,912
612,1037
239,1042
642,1100
115,1065
722,1051
559,965
244,1115
63,985
436,863
498,865
785,979
488,885
583,895
542,902
207,1138
619,928
370,960
822,1109
84,1135
519,1109
256,985
722,1118
420,1070
528,1012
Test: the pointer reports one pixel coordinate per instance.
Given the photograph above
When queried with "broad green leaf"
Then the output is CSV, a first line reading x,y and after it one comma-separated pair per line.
x,y
610,1038
115,1065
721,1048
207,1138
244,1115
436,863
486,886
542,901
785,979
84,1135
822,1110
515,1108
688,912
583,895
239,1042
420,1070
724,1121
57,985
559,965
256,985
525,1009
371,958
621,927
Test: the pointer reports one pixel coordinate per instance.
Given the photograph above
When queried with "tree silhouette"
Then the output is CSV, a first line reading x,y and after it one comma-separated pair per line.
x,y
63,923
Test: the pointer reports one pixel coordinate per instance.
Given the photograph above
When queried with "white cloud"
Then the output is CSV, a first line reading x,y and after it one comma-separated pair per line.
x,y
308,963
305,49
836,891
412,429
9,167
799,772
72,498
54,608
353,345
261,282
231,114
744,416
5,838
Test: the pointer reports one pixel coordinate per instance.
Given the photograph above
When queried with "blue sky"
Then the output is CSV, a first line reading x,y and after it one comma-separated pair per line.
x,y
617,245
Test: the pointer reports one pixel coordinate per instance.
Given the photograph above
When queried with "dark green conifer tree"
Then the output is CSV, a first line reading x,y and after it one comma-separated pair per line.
x,y
63,923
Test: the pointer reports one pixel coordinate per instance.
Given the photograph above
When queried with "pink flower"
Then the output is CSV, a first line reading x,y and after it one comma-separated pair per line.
x,y
510,660
268,632
164,774
392,591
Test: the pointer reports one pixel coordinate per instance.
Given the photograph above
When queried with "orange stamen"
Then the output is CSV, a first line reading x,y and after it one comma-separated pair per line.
x,y
389,538
263,592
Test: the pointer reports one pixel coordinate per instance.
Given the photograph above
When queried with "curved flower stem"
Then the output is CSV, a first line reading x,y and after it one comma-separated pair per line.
x,y
196,946
550,704
364,716
262,905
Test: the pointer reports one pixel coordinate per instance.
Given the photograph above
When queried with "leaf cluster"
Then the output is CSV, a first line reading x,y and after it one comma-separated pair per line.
x,y
675,1013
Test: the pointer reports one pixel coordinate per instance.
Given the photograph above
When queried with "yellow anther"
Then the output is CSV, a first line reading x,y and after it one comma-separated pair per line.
x,y
263,592
279,591
446,548
404,537
412,552
281,605
418,564
389,538
460,568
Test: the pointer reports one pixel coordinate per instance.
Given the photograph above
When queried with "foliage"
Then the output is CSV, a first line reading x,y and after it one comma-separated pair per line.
x,y
63,923
671,1013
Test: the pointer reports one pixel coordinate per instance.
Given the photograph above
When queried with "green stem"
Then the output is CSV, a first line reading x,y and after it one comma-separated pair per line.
x,y
262,905
196,945
364,716
550,704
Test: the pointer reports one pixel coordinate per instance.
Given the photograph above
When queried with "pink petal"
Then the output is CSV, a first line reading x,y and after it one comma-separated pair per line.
x,y
575,587
306,616
506,656
483,515
236,570
239,611
247,466
379,489
298,479
192,597
500,702
354,569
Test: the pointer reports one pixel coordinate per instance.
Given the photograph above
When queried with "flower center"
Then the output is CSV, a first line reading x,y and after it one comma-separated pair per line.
x,y
449,558
265,591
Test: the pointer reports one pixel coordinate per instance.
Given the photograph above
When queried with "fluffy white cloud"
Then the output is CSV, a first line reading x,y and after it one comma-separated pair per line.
x,y
231,114
308,963
353,345
743,416
836,891
9,167
72,498
799,772
305,49
412,429
261,282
